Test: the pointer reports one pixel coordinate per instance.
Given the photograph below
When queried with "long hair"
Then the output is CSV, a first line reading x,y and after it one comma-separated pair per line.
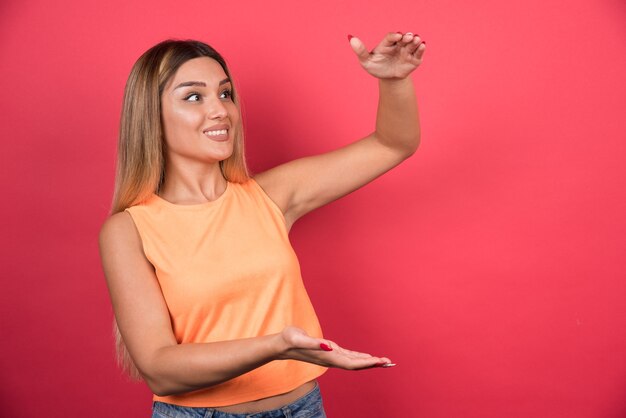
x,y
140,169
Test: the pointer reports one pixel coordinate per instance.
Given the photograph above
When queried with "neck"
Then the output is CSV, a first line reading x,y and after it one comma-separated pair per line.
x,y
192,182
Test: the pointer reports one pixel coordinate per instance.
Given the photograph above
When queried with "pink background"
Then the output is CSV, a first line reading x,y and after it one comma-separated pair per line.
x,y
490,266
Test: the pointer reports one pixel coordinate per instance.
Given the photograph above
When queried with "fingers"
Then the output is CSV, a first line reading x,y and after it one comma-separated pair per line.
x,y
367,363
391,39
358,47
357,354
355,360
326,346
320,345
408,37
410,46
346,359
413,43
419,51
298,345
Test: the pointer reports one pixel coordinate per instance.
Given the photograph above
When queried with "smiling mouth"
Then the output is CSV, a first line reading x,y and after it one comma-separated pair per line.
x,y
217,135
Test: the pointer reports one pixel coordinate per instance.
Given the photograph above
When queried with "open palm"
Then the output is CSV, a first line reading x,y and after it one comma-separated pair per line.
x,y
300,346
396,56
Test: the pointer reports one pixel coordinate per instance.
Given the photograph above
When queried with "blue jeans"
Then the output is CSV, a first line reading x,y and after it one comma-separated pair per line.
x,y
307,406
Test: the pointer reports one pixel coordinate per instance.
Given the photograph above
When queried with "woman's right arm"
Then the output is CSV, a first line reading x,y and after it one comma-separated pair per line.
x,y
170,368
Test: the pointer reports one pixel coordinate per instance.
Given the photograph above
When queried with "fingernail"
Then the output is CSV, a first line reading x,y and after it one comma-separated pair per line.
x,y
399,33
325,347
388,365
350,37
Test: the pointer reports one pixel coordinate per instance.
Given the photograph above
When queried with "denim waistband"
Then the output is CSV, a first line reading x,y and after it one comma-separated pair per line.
x,y
306,405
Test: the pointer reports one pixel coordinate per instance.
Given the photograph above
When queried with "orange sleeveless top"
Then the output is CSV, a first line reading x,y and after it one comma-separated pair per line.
x,y
227,271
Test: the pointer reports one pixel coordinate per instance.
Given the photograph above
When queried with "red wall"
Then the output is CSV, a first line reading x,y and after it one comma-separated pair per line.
x,y
490,266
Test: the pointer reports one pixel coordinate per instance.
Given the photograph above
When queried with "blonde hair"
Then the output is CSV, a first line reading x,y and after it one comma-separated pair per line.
x,y
140,167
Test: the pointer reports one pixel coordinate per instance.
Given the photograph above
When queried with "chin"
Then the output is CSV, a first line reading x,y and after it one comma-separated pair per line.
x,y
219,157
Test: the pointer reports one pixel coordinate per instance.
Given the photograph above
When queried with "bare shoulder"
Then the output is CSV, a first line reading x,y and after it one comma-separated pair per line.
x,y
118,229
116,224
119,242
275,183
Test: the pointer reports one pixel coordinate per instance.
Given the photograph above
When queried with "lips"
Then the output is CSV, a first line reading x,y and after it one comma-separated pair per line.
x,y
217,132
216,128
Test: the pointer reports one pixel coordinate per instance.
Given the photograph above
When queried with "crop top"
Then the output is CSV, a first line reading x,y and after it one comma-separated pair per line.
x,y
227,270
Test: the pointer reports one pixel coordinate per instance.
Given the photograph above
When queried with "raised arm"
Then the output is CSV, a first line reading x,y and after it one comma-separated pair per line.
x,y
304,184
171,368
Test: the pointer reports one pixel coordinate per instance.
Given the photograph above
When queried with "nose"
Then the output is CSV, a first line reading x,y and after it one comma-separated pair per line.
x,y
216,109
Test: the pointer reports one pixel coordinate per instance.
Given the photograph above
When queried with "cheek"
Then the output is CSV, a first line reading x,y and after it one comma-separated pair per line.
x,y
233,113
186,118
181,120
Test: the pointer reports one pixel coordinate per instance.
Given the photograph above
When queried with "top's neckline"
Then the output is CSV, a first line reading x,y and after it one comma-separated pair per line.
x,y
194,206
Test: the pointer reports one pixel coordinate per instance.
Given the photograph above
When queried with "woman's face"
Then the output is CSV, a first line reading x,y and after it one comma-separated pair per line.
x,y
196,109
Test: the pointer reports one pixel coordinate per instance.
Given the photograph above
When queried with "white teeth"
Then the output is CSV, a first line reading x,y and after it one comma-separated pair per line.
x,y
215,133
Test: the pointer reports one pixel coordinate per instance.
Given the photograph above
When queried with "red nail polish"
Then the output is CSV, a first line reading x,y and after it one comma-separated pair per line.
x,y
350,37
325,347
399,33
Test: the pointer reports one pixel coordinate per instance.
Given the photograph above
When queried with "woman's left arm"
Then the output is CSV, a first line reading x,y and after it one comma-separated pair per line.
x,y
304,184
397,119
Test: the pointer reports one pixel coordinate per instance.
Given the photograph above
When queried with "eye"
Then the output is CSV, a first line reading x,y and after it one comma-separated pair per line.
x,y
193,95
228,93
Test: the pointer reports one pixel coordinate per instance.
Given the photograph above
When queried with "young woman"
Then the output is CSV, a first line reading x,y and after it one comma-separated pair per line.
x,y
210,308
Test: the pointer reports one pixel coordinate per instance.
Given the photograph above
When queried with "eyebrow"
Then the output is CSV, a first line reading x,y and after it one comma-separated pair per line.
x,y
199,83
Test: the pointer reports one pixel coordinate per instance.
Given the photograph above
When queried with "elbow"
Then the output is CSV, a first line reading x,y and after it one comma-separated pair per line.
x,y
156,381
414,146
411,147
158,373
159,392
156,387
155,384
406,146
163,385
159,387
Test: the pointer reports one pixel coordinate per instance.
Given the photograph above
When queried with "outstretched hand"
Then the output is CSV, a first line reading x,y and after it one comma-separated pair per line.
x,y
298,345
395,57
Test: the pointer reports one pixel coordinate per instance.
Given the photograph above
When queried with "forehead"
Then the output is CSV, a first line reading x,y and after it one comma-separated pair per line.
x,y
198,69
